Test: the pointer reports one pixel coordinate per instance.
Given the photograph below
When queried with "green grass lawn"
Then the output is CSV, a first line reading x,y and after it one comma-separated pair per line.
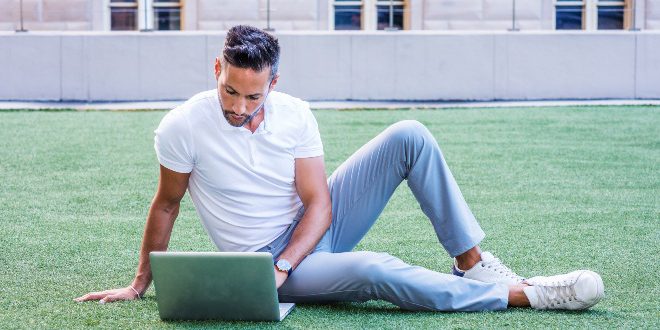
x,y
555,189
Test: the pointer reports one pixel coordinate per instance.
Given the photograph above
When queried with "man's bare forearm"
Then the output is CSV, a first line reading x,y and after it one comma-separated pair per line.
x,y
157,232
308,233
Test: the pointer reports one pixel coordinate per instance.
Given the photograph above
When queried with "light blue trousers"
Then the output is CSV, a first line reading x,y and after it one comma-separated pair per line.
x,y
360,188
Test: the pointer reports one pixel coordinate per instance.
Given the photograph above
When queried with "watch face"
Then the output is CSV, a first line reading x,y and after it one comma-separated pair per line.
x,y
283,265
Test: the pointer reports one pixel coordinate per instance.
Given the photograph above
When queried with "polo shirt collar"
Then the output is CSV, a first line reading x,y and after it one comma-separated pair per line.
x,y
265,126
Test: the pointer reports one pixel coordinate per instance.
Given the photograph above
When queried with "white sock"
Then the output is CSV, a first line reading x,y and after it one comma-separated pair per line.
x,y
532,296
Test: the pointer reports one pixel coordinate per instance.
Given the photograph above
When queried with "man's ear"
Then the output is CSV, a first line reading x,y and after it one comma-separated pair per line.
x,y
218,67
273,83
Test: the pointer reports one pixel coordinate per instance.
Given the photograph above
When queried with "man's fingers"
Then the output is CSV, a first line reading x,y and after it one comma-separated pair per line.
x,y
107,296
91,296
94,296
112,298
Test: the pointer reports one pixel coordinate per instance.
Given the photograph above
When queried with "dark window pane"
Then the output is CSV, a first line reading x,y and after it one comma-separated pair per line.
x,y
167,18
348,17
610,17
384,17
124,1
569,17
123,19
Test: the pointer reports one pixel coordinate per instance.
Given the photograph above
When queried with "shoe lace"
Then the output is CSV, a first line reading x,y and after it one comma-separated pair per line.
x,y
555,293
497,266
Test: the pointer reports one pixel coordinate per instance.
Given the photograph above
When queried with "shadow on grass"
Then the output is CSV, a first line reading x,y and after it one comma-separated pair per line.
x,y
368,314
375,310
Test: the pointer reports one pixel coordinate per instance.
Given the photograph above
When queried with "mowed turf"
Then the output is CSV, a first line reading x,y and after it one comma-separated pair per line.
x,y
555,189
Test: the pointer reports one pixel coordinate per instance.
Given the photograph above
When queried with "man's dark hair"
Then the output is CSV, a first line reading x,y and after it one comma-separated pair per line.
x,y
250,47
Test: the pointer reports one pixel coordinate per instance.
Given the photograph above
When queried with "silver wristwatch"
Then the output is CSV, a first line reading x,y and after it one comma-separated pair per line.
x,y
283,265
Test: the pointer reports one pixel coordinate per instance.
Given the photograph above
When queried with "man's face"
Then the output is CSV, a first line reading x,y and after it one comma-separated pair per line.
x,y
241,91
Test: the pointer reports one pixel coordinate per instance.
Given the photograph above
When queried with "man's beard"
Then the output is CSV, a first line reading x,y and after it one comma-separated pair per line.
x,y
228,115
246,119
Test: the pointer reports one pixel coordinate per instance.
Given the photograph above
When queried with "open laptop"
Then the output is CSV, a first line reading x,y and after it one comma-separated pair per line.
x,y
216,285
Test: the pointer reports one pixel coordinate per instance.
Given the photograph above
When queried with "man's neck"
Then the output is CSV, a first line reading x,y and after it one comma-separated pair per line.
x,y
256,121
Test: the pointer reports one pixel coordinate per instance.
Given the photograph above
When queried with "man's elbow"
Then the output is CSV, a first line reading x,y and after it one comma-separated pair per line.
x,y
169,206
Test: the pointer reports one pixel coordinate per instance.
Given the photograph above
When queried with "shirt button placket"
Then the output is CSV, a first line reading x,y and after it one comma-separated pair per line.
x,y
253,158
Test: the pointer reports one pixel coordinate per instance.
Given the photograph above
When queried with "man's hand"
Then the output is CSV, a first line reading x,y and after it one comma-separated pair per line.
x,y
110,295
280,277
157,231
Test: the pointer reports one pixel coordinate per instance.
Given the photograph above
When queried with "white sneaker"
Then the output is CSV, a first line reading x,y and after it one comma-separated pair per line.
x,y
573,291
489,270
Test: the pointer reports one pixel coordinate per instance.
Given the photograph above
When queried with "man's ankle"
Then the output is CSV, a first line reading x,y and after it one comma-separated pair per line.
x,y
517,296
468,259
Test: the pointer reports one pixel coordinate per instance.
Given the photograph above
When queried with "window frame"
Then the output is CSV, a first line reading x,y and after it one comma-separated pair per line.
x,y
143,23
167,4
369,13
334,3
109,5
387,3
590,12
627,8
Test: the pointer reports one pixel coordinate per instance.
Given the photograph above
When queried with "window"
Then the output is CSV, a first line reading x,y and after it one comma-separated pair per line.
x,y
592,14
123,15
167,15
610,15
390,15
127,15
569,15
368,14
348,15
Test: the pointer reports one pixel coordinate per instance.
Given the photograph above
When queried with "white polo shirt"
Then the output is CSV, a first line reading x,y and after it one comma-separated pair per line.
x,y
242,184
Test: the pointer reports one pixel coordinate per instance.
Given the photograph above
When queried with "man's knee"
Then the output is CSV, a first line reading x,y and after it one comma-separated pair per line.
x,y
374,268
409,131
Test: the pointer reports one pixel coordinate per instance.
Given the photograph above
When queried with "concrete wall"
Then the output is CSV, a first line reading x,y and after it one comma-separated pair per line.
x,y
487,14
652,14
285,14
97,66
43,15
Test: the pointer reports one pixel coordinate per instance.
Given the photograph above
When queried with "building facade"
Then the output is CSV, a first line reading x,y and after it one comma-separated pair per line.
x,y
328,15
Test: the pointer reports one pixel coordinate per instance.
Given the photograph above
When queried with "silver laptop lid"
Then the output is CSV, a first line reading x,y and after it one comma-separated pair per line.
x,y
215,285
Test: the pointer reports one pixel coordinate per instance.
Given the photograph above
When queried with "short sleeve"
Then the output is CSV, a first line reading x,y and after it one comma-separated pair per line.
x,y
173,142
310,144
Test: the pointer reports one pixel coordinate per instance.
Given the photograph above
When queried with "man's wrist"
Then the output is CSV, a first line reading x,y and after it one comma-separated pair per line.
x,y
139,287
137,294
284,265
277,271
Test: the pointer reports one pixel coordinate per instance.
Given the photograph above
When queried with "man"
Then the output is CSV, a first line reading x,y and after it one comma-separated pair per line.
x,y
252,160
